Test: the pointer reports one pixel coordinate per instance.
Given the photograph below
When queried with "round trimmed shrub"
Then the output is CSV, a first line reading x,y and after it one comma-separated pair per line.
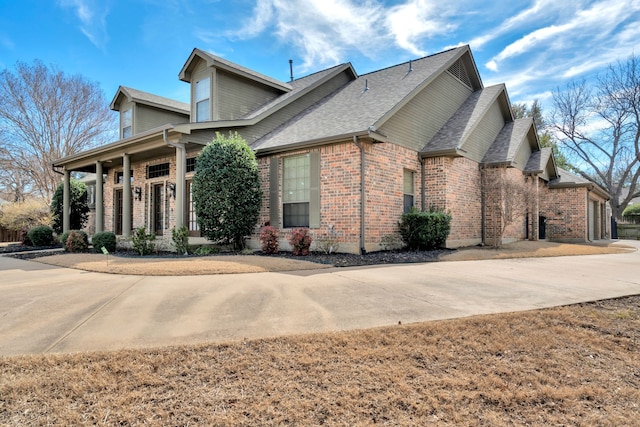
x,y
41,236
106,239
269,239
77,241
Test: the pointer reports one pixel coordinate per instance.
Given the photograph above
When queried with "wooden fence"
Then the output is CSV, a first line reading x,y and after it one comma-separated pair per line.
x,y
10,235
629,231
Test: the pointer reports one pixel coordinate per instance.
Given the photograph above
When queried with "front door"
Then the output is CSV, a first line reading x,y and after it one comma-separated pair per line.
x,y
118,203
542,227
158,209
192,219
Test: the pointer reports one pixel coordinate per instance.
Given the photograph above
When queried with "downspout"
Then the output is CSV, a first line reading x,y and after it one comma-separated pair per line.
x,y
423,192
362,194
483,232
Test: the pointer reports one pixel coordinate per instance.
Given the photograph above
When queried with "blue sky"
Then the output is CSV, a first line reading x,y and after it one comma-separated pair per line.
x,y
532,46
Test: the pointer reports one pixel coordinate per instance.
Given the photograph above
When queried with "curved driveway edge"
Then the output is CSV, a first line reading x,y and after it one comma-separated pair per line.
x,y
50,309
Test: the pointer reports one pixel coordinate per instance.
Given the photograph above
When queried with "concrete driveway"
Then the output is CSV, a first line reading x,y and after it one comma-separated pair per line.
x,y
45,309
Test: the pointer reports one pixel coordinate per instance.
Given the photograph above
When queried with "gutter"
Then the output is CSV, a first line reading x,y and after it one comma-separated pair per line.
x,y
362,194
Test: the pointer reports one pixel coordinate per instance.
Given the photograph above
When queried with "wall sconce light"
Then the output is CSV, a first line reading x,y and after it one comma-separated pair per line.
x,y
138,193
171,189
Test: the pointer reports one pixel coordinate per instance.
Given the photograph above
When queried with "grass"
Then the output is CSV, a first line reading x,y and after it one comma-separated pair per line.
x,y
574,365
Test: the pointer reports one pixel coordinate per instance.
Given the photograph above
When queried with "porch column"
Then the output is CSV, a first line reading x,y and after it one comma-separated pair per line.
x,y
126,195
99,199
66,203
181,167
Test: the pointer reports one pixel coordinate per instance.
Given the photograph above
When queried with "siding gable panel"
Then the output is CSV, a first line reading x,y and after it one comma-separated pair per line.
x,y
236,97
481,138
417,122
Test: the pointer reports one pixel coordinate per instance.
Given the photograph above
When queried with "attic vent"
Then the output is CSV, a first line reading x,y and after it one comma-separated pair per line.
x,y
459,72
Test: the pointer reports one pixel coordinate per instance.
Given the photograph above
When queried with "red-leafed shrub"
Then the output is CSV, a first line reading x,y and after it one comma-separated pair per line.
x,y
300,241
269,239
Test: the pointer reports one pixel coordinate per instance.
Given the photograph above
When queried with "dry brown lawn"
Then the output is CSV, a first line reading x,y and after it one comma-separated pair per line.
x,y
229,264
568,366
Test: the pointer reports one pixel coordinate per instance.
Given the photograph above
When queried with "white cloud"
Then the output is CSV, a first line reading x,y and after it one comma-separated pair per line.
x,y
92,15
324,31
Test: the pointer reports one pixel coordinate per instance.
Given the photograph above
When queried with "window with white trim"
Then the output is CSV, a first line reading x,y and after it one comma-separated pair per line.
x,y
296,191
408,191
203,95
126,121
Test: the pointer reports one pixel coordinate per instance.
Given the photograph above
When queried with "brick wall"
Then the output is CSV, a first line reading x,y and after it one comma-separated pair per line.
x,y
565,210
340,192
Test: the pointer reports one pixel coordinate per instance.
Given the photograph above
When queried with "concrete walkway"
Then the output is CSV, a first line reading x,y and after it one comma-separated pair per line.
x,y
46,309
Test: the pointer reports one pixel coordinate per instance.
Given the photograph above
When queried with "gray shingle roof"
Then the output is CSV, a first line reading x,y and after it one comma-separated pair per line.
x,y
567,178
298,86
506,144
154,100
538,160
359,104
453,134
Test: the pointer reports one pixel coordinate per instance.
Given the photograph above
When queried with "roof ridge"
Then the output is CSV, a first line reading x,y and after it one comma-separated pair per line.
x,y
411,60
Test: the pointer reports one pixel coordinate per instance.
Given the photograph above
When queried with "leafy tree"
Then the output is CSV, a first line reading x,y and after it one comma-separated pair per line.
x,y
78,206
226,190
522,110
598,126
45,115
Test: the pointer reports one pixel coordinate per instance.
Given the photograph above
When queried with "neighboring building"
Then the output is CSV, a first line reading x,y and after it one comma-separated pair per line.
x,y
342,154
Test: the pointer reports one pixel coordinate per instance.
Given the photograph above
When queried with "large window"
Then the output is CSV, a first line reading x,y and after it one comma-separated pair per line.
x,y
156,171
126,123
203,93
296,191
407,191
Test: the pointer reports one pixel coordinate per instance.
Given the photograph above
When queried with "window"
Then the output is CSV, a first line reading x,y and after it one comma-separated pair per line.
x,y
296,191
126,123
120,176
203,93
91,196
407,191
191,164
156,171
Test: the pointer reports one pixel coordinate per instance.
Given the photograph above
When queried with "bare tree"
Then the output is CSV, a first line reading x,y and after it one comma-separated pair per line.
x,y
599,129
506,200
46,115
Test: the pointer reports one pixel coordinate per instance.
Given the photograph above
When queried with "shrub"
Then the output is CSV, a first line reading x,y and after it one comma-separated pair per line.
x,y
207,250
25,215
143,243
41,236
300,241
78,206
180,239
226,190
632,213
106,239
269,239
62,238
424,230
76,241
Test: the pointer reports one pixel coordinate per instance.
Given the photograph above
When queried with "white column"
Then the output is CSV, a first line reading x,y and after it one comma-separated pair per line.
x,y
126,195
66,203
99,199
181,167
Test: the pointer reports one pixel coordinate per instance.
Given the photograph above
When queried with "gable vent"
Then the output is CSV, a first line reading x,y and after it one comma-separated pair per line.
x,y
459,72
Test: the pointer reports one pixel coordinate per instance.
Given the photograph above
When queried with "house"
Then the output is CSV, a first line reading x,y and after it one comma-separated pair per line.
x,y
340,153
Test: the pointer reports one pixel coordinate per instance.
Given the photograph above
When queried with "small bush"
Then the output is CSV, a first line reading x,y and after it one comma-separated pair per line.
x,y
180,239
142,242
269,239
41,236
424,230
207,250
105,239
300,241
26,241
77,241
62,238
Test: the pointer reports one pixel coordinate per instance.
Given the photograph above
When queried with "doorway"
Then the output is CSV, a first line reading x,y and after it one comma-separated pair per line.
x,y
158,209
542,227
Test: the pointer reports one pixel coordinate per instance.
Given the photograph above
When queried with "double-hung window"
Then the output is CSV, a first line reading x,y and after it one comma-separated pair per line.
x,y
296,187
203,95
407,191
126,123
